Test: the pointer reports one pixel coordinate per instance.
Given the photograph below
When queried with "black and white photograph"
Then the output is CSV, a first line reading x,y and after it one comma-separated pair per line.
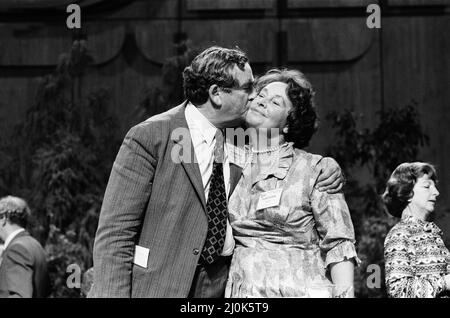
x,y
224,149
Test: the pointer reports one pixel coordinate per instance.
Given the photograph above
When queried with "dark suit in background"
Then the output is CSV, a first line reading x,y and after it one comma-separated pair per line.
x,y
23,269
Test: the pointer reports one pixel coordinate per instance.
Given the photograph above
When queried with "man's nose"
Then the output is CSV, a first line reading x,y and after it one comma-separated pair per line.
x,y
252,95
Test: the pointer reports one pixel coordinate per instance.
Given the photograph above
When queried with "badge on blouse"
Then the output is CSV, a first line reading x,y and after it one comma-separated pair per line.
x,y
269,199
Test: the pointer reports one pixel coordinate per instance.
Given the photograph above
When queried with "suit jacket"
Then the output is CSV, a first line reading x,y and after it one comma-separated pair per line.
x,y
23,270
158,203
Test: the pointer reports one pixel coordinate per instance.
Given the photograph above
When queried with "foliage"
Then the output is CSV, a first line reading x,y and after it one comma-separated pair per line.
x,y
375,153
63,250
59,158
169,93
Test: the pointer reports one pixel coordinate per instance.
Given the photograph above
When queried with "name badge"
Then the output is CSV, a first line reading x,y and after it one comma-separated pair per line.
x,y
269,199
141,256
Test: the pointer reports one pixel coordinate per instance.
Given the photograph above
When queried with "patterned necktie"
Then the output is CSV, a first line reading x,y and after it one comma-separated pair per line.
x,y
216,207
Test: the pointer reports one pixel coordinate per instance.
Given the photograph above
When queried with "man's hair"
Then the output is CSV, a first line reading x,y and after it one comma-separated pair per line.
x,y
16,210
302,120
399,188
212,66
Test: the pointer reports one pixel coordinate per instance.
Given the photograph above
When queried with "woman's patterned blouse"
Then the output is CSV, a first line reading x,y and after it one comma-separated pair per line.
x,y
416,259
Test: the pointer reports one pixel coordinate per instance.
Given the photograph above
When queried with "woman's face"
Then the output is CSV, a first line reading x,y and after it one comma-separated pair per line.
x,y
425,194
270,107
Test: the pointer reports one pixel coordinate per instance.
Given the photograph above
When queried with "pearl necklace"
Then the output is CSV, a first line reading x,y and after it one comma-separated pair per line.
x,y
271,149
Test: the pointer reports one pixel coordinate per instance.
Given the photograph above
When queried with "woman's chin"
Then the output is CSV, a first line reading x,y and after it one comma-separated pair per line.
x,y
252,121
430,210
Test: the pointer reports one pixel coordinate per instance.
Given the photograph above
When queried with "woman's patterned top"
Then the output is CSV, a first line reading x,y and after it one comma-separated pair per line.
x,y
416,259
284,250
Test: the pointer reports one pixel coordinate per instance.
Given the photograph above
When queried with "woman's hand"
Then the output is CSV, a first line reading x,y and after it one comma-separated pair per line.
x,y
447,281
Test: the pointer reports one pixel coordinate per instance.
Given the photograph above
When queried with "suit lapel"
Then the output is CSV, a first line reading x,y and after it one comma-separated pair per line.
x,y
185,153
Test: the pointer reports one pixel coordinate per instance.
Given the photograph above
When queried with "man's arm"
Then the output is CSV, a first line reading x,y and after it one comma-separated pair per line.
x,y
121,215
18,266
331,178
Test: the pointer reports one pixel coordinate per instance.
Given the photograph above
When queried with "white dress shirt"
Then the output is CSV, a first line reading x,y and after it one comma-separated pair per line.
x,y
11,236
202,135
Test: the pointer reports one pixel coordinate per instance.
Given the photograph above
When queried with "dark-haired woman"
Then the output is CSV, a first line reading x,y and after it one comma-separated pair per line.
x,y
417,261
291,239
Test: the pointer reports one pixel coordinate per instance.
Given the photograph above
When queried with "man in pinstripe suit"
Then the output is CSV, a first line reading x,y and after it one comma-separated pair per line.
x,y
154,225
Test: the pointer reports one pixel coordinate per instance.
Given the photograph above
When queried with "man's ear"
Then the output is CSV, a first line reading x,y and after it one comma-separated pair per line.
x,y
215,94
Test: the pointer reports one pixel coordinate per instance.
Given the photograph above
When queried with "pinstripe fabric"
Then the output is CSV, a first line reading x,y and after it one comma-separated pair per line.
x,y
155,203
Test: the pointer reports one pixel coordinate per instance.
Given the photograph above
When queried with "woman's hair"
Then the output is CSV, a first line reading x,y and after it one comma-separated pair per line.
x,y
212,66
302,121
399,188
16,210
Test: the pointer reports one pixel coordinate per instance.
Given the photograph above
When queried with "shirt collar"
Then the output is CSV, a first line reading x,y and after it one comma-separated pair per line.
x,y
427,226
280,164
196,120
11,237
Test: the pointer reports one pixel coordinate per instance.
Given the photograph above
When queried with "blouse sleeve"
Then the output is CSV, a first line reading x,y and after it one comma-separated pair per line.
x,y
333,223
401,281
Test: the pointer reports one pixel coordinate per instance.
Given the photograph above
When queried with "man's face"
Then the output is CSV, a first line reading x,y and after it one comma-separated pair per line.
x,y
2,226
235,100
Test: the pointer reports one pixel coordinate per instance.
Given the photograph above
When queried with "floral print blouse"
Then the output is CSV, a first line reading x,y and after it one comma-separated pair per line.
x,y
284,250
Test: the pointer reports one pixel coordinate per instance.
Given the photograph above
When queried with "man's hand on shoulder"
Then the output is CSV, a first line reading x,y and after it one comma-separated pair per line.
x,y
331,178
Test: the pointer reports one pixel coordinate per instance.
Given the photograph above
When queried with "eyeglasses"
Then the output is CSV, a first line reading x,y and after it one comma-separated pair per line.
x,y
247,87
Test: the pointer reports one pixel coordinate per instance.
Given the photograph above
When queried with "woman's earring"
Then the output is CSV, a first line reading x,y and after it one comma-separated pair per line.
x,y
285,130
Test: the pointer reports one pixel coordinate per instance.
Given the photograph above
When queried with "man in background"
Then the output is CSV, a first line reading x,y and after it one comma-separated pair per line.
x,y
23,267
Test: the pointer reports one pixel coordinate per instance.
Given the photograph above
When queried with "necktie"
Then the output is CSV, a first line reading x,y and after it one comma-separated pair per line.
x,y
216,207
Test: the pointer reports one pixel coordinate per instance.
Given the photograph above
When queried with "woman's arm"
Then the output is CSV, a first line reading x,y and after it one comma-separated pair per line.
x,y
342,276
337,237
415,287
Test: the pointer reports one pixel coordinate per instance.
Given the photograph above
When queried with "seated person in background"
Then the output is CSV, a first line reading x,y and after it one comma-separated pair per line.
x,y
417,261
23,269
